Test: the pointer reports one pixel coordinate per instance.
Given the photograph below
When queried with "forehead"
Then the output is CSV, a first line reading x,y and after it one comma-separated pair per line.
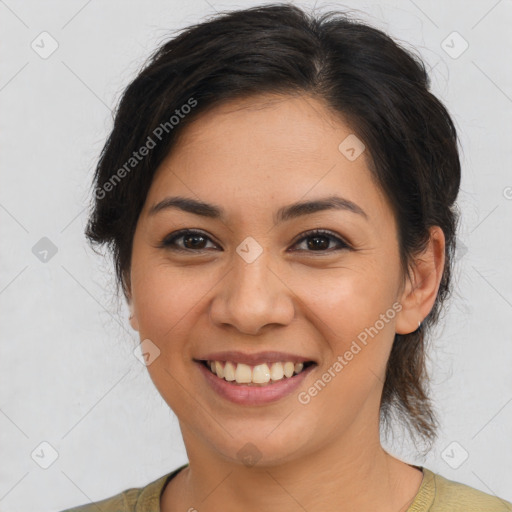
x,y
268,124
266,149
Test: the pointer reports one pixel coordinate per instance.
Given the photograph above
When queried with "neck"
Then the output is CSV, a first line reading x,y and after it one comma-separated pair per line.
x,y
353,473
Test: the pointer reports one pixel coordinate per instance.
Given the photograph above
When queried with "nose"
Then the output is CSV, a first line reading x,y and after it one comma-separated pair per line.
x,y
252,296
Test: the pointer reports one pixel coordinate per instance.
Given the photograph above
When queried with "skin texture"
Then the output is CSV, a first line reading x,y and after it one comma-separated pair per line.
x,y
251,157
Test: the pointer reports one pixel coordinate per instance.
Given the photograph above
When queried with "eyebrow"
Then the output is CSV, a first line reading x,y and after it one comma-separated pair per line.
x,y
285,213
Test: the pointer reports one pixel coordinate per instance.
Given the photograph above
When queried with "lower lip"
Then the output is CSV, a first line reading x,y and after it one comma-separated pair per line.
x,y
254,395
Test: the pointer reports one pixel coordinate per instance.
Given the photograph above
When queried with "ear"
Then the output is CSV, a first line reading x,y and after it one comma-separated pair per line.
x,y
420,291
134,322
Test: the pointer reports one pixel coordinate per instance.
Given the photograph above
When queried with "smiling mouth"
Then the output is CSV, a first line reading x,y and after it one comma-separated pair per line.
x,y
257,375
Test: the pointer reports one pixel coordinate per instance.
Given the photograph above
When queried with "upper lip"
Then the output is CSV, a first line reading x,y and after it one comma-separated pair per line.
x,y
255,358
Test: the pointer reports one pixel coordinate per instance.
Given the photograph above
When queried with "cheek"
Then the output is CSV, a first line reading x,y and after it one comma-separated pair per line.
x,y
354,297
345,305
346,311
164,302
164,299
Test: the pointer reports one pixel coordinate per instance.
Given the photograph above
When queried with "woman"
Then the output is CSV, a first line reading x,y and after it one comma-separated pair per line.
x,y
278,192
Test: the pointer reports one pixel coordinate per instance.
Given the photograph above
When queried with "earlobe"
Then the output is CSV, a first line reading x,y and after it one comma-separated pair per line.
x,y
133,317
420,292
134,322
128,294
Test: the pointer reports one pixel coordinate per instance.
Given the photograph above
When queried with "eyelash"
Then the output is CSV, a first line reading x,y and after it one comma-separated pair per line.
x,y
169,241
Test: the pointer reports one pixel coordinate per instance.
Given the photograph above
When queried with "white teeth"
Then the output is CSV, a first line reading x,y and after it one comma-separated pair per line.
x,y
276,371
219,370
289,368
243,373
229,372
259,374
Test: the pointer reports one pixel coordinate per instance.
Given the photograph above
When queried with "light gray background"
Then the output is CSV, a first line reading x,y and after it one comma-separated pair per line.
x,y
68,373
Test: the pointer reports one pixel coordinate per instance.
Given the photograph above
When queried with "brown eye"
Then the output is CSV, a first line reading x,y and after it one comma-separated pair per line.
x,y
314,241
191,241
320,240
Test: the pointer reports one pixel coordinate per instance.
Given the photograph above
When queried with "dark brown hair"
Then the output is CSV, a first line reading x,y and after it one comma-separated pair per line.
x,y
360,73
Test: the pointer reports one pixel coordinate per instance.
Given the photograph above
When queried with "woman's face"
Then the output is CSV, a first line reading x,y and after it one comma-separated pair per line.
x,y
254,281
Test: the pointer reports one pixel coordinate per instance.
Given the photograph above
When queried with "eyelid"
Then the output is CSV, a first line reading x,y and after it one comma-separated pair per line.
x,y
167,242
343,244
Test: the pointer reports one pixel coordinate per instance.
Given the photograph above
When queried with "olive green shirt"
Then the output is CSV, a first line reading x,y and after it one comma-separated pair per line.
x,y
436,494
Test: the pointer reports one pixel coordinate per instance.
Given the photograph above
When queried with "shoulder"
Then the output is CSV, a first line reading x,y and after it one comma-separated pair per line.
x,y
122,502
444,495
137,499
